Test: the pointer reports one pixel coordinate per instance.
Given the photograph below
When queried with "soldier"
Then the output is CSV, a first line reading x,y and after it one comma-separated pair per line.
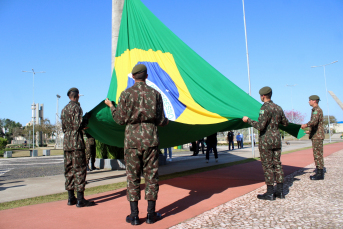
x,y
90,152
140,108
74,149
271,115
316,135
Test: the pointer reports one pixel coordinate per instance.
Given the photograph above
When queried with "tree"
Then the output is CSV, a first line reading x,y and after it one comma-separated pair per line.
x,y
332,120
7,126
297,117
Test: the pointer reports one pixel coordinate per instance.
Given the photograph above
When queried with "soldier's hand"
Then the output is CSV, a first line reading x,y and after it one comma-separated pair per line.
x,y
245,119
108,102
307,132
303,126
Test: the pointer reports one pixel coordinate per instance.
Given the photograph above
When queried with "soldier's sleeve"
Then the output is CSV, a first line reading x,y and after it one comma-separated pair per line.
x,y
161,120
314,119
261,124
284,120
79,122
119,112
62,120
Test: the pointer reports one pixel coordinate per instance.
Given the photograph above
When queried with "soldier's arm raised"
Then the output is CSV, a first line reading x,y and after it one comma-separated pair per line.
x,y
262,120
119,112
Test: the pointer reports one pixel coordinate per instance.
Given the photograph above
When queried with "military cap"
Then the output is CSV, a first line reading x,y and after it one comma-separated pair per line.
x,y
265,90
314,97
73,89
138,69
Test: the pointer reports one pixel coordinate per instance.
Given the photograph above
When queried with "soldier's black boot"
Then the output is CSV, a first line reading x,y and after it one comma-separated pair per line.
x,y
82,202
93,167
71,197
133,217
279,191
269,195
152,215
318,176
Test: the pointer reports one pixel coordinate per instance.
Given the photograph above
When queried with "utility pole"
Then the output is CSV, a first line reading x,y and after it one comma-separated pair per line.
x,y
33,107
327,100
117,10
251,129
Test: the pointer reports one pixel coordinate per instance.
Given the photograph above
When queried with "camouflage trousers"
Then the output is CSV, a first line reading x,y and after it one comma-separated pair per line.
x,y
90,153
317,145
271,165
75,170
138,161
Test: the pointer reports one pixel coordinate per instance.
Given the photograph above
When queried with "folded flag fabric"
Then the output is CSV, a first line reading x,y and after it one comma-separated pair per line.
x,y
197,99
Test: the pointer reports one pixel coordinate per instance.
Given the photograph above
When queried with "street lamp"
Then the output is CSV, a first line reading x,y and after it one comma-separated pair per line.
x,y
251,130
327,100
56,123
33,105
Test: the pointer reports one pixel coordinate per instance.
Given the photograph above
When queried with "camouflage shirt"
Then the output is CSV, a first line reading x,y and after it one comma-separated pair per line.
x,y
316,124
140,108
271,115
72,126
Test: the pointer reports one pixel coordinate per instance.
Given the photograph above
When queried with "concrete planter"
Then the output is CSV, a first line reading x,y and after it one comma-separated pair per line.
x,y
8,154
114,164
34,153
46,152
99,163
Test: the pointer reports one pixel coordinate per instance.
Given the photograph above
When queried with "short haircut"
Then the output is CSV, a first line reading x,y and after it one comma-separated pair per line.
x,y
269,95
73,95
317,100
140,76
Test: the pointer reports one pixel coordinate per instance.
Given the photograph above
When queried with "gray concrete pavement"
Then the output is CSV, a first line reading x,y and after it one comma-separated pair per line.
x,y
15,189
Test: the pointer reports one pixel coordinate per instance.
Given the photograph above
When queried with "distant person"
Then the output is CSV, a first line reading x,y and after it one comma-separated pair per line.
x,y
230,136
170,153
211,142
254,139
316,135
195,148
238,139
242,138
75,166
90,152
271,115
202,143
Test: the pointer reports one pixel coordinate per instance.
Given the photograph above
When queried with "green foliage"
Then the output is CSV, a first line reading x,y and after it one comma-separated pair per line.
x,y
108,152
3,143
11,128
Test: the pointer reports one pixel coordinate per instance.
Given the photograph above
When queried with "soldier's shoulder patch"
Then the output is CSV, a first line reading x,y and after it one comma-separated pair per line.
x,y
261,111
315,112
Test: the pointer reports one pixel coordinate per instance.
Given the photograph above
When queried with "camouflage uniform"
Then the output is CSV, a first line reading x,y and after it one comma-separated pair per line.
x,y
317,135
271,115
74,147
90,149
140,108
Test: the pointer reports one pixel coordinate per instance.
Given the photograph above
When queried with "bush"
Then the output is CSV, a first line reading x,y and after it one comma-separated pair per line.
x,y
3,143
108,152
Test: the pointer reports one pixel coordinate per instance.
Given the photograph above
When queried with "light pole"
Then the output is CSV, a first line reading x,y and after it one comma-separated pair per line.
x,y
33,105
327,100
56,123
251,130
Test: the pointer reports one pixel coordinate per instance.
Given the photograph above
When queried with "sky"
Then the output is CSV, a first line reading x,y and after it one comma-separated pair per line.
x,y
71,42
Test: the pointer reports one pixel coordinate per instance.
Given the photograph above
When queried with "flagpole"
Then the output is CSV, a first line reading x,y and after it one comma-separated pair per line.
x,y
251,130
117,10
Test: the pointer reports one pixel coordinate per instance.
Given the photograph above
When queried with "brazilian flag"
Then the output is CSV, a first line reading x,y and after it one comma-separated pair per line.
x,y
197,99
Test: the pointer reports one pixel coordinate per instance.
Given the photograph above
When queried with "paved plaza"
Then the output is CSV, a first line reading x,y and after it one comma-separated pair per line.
x,y
221,198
